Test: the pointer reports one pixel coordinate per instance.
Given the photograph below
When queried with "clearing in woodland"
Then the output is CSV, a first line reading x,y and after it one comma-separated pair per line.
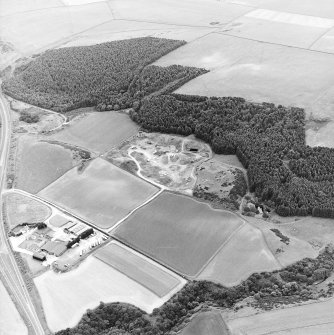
x,y
138,268
178,231
98,131
163,159
100,193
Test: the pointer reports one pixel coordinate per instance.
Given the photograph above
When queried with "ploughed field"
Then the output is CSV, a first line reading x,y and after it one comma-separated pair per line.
x,y
98,131
101,193
178,231
138,268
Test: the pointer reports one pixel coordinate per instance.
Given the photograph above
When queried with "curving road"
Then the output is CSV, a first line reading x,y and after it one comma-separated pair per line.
x,y
8,268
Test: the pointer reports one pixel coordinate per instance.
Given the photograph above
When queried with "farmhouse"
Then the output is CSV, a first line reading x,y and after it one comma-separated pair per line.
x,y
39,256
56,248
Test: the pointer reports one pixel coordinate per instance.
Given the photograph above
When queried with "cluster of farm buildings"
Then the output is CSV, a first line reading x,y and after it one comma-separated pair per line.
x,y
54,237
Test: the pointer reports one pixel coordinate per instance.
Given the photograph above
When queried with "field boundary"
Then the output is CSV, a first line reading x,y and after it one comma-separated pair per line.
x,y
158,266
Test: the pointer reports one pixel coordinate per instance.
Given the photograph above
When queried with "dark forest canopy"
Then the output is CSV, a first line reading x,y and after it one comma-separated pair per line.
x,y
269,140
69,78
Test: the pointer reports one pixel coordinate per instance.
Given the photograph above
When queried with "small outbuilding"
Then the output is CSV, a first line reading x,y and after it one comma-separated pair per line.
x,y
39,256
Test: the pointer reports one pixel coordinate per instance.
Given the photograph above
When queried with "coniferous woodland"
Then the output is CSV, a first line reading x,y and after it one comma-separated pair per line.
x,y
108,75
294,283
269,140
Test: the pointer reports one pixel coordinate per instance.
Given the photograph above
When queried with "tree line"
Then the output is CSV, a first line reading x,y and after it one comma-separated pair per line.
x,y
293,283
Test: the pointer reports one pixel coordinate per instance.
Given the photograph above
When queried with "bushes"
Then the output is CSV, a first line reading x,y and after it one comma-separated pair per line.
x,y
29,117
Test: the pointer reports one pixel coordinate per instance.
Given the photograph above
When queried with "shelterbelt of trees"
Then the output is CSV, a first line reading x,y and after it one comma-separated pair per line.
x,y
109,75
294,283
269,140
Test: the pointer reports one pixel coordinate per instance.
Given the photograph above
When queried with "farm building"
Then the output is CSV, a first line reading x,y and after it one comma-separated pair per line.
x,y
56,248
39,256
68,226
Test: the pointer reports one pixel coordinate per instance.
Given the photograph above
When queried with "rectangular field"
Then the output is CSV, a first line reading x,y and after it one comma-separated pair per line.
x,y
98,131
206,323
178,231
101,194
138,268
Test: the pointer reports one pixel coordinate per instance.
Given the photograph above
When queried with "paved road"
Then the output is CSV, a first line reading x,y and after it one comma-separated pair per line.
x,y
8,267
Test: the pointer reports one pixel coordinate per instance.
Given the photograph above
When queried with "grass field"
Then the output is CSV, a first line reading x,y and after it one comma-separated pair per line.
x,y
40,163
178,231
23,209
206,323
98,131
136,267
65,297
312,319
57,23
101,193
245,253
11,322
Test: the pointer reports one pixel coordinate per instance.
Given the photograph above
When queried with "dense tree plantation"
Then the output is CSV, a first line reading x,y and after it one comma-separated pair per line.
x,y
269,140
294,283
69,78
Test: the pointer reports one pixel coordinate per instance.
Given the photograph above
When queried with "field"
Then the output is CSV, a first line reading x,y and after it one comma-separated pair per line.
x,y
124,29
65,297
245,253
311,319
23,209
206,323
266,72
166,160
10,320
40,163
57,23
142,270
98,131
101,193
178,231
